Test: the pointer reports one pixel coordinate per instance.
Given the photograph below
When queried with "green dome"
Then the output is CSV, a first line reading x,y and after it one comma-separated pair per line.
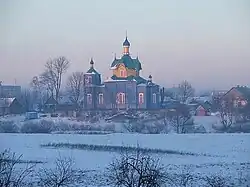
x,y
126,42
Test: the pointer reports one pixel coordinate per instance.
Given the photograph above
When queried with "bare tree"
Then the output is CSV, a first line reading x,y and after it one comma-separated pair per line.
x,y
136,170
47,82
52,76
10,174
38,92
26,99
179,117
226,114
185,90
63,174
75,86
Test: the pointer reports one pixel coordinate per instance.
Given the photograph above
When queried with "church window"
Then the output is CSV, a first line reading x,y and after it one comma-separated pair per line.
x,y
88,79
89,98
154,98
122,73
141,98
121,98
100,98
243,103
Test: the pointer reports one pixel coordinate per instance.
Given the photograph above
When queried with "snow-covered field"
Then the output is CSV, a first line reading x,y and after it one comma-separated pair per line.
x,y
227,154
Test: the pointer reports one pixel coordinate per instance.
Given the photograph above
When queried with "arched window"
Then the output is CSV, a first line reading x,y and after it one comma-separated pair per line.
x,y
154,98
100,98
122,73
89,98
141,98
120,98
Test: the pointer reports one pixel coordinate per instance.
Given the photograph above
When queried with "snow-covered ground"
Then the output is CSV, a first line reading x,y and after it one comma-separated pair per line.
x,y
207,122
228,153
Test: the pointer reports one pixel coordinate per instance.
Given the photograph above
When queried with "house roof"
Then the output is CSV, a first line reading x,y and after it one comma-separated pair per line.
x,y
51,101
205,104
198,99
244,90
6,102
128,62
173,104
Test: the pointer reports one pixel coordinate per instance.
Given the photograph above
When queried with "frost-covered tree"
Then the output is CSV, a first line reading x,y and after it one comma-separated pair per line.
x,y
179,118
185,91
226,114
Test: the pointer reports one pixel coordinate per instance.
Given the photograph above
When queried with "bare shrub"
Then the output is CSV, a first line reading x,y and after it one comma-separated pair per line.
x,y
109,127
136,170
63,174
134,127
215,181
43,126
8,127
10,174
185,179
75,127
63,126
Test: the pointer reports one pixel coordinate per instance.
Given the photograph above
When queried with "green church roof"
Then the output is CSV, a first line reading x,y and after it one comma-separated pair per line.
x,y
138,79
128,62
92,70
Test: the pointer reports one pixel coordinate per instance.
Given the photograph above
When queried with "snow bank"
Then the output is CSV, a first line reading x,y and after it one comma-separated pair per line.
x,y
207,122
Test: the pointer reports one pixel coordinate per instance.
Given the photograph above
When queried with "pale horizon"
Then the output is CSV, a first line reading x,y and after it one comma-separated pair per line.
x,y
206,43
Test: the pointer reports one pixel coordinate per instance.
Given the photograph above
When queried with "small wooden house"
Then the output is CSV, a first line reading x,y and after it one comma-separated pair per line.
x,y
63,106
50,105
10,106
200,108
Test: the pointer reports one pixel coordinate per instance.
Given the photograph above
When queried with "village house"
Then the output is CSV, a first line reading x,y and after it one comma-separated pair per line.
x,y
64,106
10,106
200,108
238,96
236,101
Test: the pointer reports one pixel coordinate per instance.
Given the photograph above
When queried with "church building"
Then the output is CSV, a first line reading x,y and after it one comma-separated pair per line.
x,y
125,89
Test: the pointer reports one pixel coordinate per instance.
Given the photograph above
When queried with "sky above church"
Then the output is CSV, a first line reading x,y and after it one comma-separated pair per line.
x,y
204,42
